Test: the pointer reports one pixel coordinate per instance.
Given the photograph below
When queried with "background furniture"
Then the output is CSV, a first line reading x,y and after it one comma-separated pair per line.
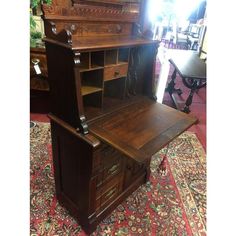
x,y
194,35
38,76
192,71
105,122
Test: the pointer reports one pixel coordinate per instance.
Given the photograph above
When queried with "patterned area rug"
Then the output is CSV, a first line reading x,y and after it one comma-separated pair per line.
x,y
168,205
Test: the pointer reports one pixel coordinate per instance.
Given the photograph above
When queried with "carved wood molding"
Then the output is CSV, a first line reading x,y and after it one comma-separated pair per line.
x,y
136,31
83,126
88,12
148,34
88,29
118,2
63,36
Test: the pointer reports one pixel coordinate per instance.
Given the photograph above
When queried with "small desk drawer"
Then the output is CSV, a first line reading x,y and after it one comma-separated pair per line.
x,y
104,156
114,72
108,173
109,192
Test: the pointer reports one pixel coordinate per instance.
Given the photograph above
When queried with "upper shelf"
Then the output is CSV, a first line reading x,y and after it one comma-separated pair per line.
x,y
90,43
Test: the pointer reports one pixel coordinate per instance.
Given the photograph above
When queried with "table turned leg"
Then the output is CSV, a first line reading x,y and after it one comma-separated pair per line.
x,y
163,166
171,85
190,97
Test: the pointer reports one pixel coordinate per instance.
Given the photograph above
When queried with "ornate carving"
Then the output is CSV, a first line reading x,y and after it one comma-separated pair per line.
x,y
48,9
137,30
76,58
92,12
102,12
148,34
132,73
83,128
90,29
115,2
63,36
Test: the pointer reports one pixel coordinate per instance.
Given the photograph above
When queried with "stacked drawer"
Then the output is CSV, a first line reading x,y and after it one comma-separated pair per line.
x,y
108,174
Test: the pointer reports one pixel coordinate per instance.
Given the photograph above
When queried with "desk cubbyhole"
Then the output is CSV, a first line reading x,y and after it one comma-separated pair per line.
x,y
91,81
84,61
97,59
93,99
123,55
111,57
115,88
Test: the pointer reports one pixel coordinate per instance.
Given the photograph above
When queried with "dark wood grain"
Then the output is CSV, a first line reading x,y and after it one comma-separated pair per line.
x,y
90,43
38,81
105,123
188,64
63,36
141,129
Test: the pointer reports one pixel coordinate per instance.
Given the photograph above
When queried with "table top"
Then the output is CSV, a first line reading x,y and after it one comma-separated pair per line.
x,y
188,64
141,129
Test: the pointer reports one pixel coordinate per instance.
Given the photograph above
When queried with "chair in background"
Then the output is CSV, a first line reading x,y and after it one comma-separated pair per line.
x,y
180,38
203,44
194,35
174,39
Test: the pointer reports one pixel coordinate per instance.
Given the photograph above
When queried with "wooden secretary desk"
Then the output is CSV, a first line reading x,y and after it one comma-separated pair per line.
x,y
105,122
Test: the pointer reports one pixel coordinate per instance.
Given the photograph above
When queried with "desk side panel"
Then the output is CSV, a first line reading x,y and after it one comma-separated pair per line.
x,y
63,97
72,159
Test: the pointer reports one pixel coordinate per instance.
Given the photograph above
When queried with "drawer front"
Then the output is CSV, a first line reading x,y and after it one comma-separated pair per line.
x,y
108,173
114,72
104,156
109,192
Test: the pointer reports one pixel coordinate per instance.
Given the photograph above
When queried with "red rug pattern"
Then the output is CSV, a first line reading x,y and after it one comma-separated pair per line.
x,y
166,205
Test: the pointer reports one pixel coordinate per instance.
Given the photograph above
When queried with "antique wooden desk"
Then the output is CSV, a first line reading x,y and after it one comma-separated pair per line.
x,y
105,122
192,70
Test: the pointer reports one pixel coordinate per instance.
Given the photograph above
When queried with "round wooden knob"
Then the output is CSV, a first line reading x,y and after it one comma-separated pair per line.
x,y
117,73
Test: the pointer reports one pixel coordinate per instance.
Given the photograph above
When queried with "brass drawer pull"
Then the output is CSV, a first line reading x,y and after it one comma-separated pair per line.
x,y
110,193
35,61
116,73
99,184
113,169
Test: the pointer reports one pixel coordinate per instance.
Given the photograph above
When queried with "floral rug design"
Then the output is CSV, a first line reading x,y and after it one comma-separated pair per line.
x,y
169,205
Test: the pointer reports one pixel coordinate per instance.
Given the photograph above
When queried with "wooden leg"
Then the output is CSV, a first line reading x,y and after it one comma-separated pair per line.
x,y
171,85
148,171
190,98
163,165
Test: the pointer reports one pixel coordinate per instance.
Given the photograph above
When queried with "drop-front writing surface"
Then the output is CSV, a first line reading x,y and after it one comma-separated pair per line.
x,y
141,128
